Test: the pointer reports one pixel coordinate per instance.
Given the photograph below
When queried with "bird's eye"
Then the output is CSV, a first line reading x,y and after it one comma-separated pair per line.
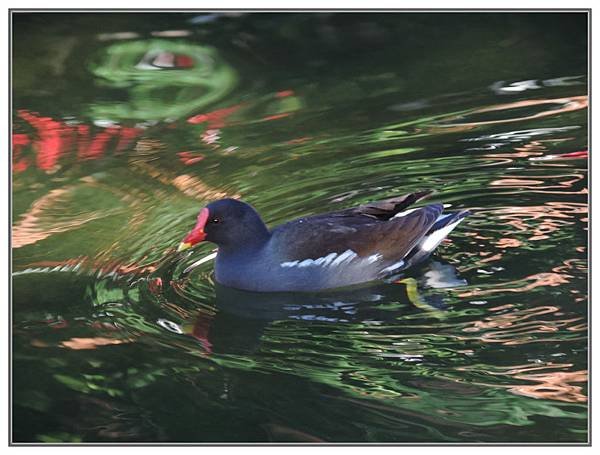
x,y
216,220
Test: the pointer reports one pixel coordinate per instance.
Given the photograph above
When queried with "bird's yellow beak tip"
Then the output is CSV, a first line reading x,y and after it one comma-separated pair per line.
x,y
183,246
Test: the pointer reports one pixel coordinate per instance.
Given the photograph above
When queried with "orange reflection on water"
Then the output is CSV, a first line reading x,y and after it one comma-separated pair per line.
x,y
533,148
495,257
522,326
29,230
92,343
508,243
504,320
537,280
554,385
572,265
188,184
551,385
534,182
552,209
517,182
564,105
552,215
518,369
194,187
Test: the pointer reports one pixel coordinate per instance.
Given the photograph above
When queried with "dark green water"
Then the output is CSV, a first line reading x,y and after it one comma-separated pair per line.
x,y
124,126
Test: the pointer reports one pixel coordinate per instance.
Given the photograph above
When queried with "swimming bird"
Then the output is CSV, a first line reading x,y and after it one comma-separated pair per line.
x,y
326,251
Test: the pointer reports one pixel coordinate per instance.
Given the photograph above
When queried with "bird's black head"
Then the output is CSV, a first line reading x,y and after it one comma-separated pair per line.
x,y
229,223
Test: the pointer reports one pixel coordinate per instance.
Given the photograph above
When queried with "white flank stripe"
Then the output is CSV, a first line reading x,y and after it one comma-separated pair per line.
x,y
325,260
434,239
320,260
332,259
347,255
289,264
306,263
394,266
373,258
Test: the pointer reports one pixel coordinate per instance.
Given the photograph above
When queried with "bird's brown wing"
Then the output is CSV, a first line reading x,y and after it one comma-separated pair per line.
x,y
386,208
315,237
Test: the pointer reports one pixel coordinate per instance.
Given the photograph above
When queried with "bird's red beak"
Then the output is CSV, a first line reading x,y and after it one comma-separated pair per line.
x,y
197,234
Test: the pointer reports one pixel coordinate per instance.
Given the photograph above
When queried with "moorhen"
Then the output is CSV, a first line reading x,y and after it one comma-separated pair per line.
x,y
326,251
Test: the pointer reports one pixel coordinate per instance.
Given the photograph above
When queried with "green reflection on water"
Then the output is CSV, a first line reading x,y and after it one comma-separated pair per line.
x,y
156,93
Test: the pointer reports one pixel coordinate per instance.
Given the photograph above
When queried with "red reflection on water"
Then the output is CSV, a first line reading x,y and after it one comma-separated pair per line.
x,y
276,116
189,158
155,285
93,148
580,155
201,330
54,139
184,61
18,142
167,59
214,119
284,94
126,137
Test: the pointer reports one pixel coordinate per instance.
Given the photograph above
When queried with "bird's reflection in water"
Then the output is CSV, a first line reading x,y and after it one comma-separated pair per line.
x,y
241,317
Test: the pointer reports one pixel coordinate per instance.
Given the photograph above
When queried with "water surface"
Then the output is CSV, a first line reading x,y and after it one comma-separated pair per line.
x,y
124,126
